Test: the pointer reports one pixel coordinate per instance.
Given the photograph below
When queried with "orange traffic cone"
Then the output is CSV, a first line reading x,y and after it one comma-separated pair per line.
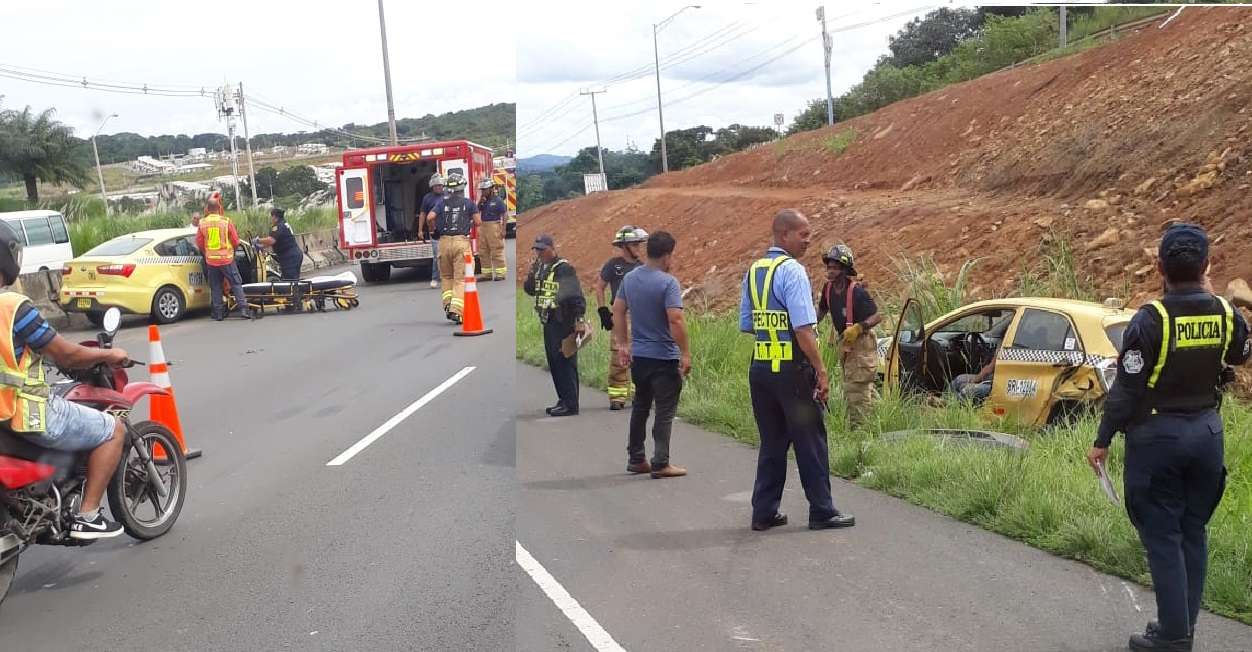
x,y
162,408
472,321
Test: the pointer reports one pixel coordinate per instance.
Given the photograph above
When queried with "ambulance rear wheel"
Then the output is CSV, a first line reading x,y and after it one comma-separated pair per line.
x,y
376,272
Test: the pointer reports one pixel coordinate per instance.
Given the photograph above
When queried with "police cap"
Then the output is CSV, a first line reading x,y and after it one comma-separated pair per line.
x,y
1184,239
543,242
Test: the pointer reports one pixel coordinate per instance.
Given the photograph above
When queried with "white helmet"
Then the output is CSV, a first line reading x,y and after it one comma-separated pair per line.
x,y
486,184
435,180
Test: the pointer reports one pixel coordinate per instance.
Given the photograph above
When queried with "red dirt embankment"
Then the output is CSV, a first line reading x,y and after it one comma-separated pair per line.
x,y
1101,149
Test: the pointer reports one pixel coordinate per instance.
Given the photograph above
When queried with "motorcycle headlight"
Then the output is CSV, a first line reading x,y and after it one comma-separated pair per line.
x,y
1106,371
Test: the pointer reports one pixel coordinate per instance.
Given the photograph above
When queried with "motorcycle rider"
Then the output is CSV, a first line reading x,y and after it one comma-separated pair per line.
x,y
57,424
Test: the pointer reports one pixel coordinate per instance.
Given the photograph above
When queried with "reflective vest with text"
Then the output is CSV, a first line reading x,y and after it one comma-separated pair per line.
x,y
771,324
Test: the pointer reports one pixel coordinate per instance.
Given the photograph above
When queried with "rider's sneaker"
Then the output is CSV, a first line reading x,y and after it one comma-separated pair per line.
x,y
93,528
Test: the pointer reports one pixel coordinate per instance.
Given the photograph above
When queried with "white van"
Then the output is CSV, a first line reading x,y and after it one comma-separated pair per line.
x,y
46,236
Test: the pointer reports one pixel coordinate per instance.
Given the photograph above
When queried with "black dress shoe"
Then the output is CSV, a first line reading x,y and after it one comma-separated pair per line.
x,y
563,411
550,409
1151,640
1154,629
836,521
777,520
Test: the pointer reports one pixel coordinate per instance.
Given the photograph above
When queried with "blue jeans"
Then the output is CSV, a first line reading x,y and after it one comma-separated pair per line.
x,y
74,427
231,273
965,387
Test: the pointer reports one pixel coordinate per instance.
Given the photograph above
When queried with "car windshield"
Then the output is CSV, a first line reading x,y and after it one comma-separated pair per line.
x,y
1116,332
119,247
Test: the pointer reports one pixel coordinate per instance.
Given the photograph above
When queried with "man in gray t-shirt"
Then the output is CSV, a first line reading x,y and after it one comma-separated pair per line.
x,y
657,353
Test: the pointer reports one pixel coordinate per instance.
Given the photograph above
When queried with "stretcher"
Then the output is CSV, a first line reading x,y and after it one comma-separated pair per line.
x,y
316,294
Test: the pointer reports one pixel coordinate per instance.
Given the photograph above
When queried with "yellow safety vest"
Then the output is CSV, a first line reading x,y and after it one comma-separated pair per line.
x,y
23,390
545,297
770,321
218,249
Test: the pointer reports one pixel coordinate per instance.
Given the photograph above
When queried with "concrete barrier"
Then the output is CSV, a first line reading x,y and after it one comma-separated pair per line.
x,y
321,249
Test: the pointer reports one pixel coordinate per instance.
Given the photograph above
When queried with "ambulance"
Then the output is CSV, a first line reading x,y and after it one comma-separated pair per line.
x,y
379,191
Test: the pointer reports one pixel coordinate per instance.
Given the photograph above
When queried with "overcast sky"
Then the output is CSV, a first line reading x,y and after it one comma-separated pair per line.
x,y
319,58
743,46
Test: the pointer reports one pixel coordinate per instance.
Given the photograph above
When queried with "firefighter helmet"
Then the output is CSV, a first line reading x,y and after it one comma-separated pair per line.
x,y
841,254
629,234
436,179
486,184
454,182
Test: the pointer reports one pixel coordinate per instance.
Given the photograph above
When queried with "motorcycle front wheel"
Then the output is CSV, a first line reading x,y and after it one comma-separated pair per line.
x,y
134,499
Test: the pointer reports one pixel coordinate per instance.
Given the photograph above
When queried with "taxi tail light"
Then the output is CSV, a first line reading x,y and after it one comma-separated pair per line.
x,y
1106,371
116,270
65,271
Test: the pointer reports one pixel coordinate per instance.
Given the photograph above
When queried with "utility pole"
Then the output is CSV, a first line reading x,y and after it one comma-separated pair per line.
x,y
826,46
99,170
226,109
247,141
391,107
1063,26
595,116
656,57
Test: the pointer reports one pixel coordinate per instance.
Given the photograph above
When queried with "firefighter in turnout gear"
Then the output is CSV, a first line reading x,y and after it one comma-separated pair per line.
x,y
628,240
1175,358
561,307
491,235
854,315
453,217
787,380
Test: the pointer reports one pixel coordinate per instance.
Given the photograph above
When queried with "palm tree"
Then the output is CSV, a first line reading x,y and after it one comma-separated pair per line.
x,y
37,147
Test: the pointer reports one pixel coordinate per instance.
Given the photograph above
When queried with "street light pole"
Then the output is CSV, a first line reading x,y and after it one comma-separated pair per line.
x,y
595,117
391,107
656,57
99,170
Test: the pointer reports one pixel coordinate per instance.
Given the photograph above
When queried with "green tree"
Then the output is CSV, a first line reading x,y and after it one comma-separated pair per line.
x,y
297,180
927,38
266,180
35,147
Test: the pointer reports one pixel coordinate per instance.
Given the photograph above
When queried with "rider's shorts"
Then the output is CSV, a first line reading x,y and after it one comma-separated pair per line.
x,y
74,427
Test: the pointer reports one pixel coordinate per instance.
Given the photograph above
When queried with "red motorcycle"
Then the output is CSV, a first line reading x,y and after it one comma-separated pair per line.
x,y
41,489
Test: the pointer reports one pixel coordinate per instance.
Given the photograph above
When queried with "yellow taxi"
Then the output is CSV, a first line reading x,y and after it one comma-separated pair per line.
x,y
1052,358
155,273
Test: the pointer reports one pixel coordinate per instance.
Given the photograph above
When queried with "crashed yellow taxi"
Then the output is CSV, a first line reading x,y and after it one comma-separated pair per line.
x,y
1052,358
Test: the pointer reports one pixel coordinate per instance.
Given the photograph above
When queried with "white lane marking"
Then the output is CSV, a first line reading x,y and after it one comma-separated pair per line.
x,y
395,421
591,630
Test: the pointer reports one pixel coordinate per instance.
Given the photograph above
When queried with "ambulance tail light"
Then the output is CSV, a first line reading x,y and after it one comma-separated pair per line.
x,y
116,270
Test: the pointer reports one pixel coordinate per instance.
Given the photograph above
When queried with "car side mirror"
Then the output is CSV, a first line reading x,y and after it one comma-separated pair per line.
x,y
112,321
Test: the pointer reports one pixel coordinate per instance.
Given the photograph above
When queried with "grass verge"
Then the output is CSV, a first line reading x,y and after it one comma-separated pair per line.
x,y
1046,497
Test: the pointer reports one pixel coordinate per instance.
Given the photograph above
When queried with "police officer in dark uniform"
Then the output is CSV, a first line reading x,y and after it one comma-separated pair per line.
x,y
285,246
787,380
561,307
1173,363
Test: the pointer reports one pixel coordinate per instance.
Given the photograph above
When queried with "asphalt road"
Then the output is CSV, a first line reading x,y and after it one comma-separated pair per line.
x,y
408,545
672,564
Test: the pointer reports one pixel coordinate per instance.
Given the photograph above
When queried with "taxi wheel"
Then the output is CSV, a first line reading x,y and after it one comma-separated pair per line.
x,y
168,305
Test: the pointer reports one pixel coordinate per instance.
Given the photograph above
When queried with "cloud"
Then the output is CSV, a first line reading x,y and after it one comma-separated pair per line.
x,y
732,65
318,58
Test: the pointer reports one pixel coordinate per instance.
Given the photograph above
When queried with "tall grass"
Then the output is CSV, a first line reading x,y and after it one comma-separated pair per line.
x,y
1045,496
87,233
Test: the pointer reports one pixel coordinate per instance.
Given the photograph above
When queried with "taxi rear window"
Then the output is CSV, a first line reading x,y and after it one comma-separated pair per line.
x,y
119,247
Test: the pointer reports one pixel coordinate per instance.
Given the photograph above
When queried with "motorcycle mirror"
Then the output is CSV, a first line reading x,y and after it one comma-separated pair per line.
x,y
112,321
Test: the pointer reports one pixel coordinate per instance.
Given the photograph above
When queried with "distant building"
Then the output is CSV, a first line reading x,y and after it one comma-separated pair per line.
x,y
326,173
312,149
278,149
197,153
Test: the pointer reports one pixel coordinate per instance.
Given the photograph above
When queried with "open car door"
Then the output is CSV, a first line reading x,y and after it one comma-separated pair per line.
x,y
907,353
1036,367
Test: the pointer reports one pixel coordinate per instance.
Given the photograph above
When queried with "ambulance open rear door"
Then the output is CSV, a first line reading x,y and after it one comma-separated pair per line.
x,y
356,221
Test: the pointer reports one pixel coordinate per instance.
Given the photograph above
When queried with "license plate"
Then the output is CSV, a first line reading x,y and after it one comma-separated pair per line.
x,y
84,303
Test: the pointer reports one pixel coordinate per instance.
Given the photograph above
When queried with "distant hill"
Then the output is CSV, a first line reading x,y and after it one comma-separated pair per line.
x,y
493,125
541,162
